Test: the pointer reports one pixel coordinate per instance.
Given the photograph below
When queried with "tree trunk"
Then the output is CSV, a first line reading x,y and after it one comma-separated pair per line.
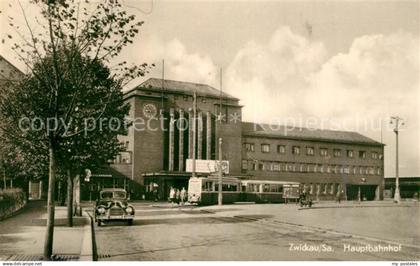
x,y
76,185
25,188
69,199
60,192
49,236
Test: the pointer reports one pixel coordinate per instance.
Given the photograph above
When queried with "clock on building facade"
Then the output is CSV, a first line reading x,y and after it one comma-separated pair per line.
x,y
149,110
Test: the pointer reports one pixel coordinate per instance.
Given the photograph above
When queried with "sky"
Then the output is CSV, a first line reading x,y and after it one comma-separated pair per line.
x,y
344,65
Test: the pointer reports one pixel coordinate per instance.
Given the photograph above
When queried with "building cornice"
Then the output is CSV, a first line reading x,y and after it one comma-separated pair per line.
x,y
251,135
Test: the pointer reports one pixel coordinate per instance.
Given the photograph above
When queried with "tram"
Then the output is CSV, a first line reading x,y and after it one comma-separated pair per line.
x,y
204,190
262,191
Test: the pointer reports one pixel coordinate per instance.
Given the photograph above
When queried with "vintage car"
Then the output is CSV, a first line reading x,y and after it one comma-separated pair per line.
x,y
112,205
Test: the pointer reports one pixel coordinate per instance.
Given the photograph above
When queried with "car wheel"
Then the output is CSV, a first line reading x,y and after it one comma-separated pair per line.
x,y
99,222
130,222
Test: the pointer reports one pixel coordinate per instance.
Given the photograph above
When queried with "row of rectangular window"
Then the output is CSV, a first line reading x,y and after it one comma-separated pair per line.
x,y
309,168
329,188
265,148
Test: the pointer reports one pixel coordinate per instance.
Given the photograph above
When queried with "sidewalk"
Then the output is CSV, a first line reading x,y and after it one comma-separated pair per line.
x,y
70,243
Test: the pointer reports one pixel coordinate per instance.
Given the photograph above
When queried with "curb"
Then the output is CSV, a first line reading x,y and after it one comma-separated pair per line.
x,y
88,250
357,206
61,221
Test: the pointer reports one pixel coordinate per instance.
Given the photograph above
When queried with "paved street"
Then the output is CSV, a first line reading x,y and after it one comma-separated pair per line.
x,y
264,232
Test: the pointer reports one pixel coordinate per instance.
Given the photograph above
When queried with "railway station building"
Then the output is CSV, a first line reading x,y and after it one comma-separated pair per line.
x,y
160,141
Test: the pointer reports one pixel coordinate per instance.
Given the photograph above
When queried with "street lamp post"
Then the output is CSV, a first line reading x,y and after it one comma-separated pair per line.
x,y
218,130
220,195
194,129
397,121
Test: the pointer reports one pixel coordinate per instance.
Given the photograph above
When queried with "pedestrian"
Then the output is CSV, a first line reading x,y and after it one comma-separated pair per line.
x,y
178,196
172,194
155,194
183,195
300,199
338,196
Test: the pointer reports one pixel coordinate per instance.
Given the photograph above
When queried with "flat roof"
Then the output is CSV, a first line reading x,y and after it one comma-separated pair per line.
x,y
250,129
182,87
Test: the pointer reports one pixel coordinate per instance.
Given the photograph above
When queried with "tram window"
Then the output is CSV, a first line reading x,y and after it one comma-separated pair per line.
x,y
229,187
253,188
207,186
266,188
276,188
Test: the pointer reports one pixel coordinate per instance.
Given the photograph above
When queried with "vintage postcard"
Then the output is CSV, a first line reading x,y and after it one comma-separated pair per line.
x,y
166,130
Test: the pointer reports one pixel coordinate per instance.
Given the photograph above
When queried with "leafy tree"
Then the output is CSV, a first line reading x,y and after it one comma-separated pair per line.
x,y
23,166
70,90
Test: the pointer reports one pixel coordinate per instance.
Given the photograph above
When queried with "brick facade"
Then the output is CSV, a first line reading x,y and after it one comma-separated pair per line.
x,y
159,143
